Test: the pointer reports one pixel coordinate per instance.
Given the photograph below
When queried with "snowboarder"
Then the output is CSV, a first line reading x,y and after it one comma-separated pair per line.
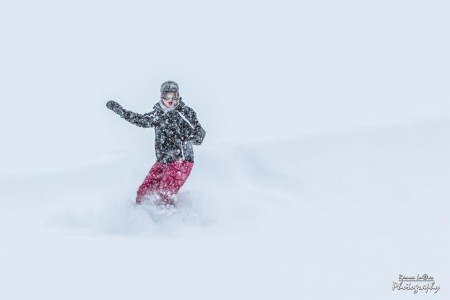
x,y
176,130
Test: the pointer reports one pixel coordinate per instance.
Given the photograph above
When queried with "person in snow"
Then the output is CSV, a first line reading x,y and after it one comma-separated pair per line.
x,y
176,130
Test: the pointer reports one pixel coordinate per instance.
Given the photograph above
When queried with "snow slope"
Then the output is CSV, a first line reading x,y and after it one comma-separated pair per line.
x,y
330,216
276,208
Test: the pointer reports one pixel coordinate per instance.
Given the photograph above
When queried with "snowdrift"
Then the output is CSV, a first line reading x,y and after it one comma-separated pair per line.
x,y
312,218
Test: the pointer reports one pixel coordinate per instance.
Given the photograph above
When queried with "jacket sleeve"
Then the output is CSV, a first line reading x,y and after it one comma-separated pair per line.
x,y
197,134
147,120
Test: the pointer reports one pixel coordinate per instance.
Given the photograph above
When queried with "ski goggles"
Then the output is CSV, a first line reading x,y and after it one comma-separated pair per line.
x,y
169,96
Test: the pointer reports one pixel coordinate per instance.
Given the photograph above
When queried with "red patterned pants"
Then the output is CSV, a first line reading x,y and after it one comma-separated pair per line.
x,y
165,180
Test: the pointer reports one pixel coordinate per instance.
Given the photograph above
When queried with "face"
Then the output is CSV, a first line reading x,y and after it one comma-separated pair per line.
x,y
169,99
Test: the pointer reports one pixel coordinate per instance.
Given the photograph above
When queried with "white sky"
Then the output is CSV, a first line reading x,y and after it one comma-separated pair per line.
x,y
253,70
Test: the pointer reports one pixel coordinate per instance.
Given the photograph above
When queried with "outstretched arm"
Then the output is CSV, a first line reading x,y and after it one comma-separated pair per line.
x,y
145,121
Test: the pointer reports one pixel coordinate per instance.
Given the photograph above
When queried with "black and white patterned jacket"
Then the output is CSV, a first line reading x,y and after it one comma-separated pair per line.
x,y
176,130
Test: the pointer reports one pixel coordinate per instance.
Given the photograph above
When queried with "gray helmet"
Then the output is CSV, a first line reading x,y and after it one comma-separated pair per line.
x,y
169,86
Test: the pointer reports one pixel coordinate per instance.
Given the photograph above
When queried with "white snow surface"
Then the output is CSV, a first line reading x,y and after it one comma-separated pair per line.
x,y
324,173
331,216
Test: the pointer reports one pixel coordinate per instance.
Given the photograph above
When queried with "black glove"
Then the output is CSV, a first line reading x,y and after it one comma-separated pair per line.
x,y
115,107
